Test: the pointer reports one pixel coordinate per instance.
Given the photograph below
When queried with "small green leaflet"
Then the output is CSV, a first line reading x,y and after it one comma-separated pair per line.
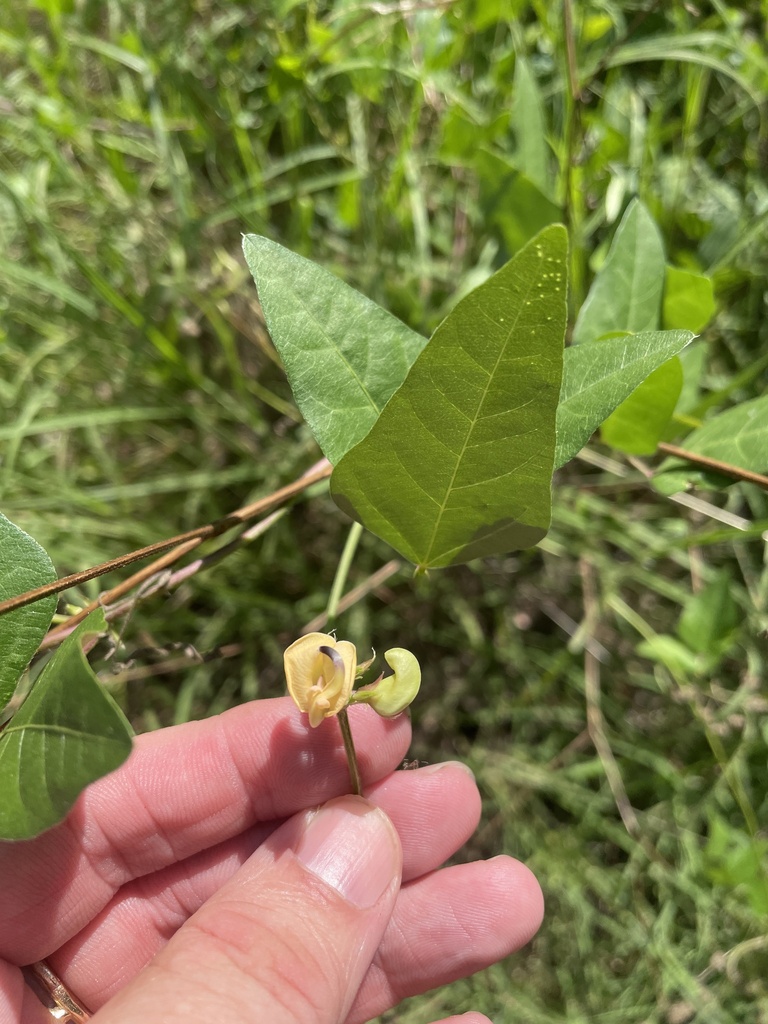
x,y
599,375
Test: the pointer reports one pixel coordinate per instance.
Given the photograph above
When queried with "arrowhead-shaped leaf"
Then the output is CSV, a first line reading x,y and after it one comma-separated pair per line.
x,y
343,354
626,293
24,565
68,733
459,464
599,375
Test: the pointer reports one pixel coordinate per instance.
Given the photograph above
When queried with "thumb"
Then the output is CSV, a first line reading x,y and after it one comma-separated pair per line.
x,y
289,938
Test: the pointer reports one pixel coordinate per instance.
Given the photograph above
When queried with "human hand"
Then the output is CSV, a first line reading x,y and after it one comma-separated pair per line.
x,y
176,889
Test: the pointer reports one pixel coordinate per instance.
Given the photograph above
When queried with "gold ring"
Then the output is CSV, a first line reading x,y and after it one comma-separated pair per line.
x,y
50,990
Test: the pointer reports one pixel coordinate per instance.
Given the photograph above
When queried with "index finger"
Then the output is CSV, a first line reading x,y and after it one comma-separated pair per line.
x,y
182,790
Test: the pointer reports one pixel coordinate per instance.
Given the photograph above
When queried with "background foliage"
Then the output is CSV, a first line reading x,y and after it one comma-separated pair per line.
x,y
607,687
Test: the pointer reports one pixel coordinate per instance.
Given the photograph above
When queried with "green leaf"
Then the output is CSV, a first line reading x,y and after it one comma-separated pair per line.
x,y
734,858
459,464
684,476
639,423
738,436
343,354
24,565
626,293
709,618
693,360
511,202
68,733
599,375
670,652
689,300
532,156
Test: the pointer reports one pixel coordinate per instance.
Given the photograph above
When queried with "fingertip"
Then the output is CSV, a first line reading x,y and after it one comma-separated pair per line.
x,y
516,879
435,809
467,1018
351,845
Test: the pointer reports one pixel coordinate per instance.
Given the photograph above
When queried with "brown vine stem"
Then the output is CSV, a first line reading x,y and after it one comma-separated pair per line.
x,y
107,597
153,578
721,467
181,544
570,51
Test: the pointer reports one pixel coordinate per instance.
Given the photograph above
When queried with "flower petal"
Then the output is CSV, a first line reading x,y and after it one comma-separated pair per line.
x,y
320,673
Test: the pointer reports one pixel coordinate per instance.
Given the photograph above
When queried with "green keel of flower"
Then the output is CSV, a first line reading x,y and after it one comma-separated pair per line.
x,y
391,694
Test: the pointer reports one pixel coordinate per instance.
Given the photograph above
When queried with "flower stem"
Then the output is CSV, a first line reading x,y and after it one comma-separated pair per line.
x,y
337,589
349,747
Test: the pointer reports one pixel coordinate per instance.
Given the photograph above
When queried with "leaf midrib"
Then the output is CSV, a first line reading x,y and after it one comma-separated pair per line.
x,y
474,421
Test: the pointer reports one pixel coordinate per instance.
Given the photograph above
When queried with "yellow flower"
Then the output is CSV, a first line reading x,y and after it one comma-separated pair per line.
x,y
320,671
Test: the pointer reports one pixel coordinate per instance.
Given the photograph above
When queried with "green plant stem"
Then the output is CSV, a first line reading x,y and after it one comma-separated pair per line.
x,y
572,201
349,748
342,571
337,588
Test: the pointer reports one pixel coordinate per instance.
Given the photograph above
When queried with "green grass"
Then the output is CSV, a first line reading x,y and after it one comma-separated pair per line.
x,y
141,396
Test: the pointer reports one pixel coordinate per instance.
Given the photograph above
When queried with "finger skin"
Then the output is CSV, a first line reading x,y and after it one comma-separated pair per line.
x,y
279,942
449,925
182,790
184,770
434,810
487,910
465,1018
446,925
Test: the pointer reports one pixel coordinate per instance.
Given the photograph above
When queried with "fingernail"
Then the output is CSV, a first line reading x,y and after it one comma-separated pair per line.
x,y
353,847
432,769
